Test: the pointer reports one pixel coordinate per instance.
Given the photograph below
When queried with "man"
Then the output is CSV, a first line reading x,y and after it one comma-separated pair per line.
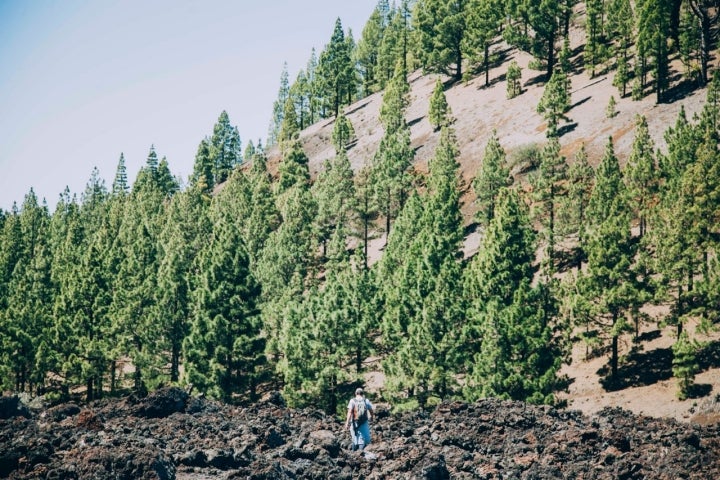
x,y
359,414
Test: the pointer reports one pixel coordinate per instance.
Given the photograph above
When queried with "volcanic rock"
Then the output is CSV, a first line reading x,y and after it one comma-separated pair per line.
x,y
161,437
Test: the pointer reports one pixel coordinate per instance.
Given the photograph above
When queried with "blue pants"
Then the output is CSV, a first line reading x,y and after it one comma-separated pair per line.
x,y
361,438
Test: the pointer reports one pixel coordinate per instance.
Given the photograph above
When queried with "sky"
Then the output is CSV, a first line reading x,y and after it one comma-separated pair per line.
x,y
83,80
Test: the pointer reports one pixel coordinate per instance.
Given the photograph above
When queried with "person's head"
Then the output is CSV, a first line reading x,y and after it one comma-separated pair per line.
x,y
359,392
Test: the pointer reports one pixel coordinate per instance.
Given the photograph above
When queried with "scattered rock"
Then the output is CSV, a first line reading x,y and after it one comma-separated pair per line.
x,y
89,420
163,403
62,411
10,406
159,437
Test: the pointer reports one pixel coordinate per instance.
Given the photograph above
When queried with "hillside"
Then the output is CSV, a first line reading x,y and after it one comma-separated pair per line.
x,y
169,435
478,110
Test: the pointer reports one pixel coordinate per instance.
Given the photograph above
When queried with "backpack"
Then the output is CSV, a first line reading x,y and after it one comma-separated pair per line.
x,y
360,411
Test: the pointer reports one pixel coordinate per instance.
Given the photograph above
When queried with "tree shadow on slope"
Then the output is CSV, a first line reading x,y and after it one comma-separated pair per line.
x,y
709,356
680,91
640,369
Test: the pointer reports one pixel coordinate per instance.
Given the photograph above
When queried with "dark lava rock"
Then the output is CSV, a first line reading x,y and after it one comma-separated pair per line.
x,y
163,403
63,411
10,406
168,435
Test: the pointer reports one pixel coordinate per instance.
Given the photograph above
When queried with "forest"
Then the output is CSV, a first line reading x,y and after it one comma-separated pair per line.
x,y
251,276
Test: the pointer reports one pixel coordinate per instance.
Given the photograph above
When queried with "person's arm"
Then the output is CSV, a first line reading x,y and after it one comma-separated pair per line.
x,y
347,419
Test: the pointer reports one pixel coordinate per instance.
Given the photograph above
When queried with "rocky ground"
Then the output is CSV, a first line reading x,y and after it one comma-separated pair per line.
x,y
170,435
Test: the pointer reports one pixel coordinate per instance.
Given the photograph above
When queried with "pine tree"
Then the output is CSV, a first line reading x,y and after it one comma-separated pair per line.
x,y
706,13
203,176
514,74
545,19
483,23
440,113
330,329
120,184
426,362
224,348
10,256
29,301
263,217
548,191
313,85
334,193
676,254
286,261
368,50
621,26
134,295
511,349
395,279
574,210
610,284
395,103
289,130
353,82
336,72
394,155
366,206
61,350
343,134
107,239
225,148
594,33
611,109
394,49
653,32
293,169
421,280
179,246
441,29
493,175
685,364
689,43
300,98
555,102
279,107
167,183
641,174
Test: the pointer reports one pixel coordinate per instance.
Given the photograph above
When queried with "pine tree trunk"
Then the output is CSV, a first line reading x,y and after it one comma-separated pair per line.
x,y
366,233
98,387
679,311
660,74
551,54
175,363
458,59
568,14
387,217
705,38
642,225
89,390
487,64
332,396
614,358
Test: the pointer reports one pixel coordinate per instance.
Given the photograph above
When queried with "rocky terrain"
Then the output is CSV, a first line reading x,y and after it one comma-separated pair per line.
x,y
170,435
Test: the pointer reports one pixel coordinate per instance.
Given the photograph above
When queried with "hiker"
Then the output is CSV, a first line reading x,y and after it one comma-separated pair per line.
x,y
359,413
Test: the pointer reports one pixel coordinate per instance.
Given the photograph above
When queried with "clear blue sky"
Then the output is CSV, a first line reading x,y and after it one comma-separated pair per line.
x,y
82,81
